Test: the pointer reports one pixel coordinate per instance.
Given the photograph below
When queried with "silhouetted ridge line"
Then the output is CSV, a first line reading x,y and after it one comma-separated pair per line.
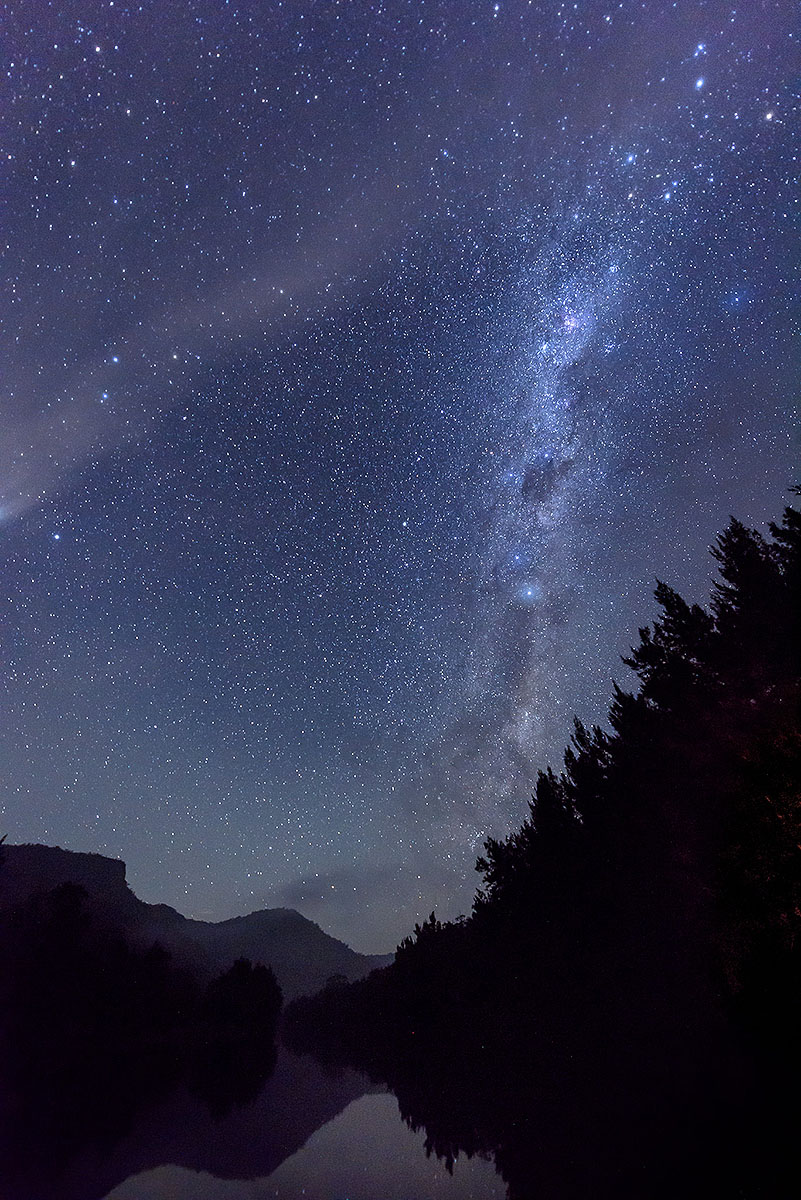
x,y
302,955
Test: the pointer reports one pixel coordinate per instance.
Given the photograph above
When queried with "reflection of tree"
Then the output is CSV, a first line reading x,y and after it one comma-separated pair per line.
x,y
629,980
191,1127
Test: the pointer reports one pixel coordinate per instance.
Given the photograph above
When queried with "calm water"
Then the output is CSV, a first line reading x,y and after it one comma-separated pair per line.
x,y
311,1132
365,1153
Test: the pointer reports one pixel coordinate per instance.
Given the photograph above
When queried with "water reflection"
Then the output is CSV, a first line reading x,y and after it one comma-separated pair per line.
x,y
312,1131
181,1125
364,1153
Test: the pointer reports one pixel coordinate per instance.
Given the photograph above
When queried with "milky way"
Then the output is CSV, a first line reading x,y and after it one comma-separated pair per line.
x,y
366,364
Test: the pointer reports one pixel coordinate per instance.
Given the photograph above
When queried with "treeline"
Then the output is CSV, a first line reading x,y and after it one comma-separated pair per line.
x,y
620,1012
92,1027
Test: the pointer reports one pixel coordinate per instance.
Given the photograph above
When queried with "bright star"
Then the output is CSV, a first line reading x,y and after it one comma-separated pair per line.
x,y
530,593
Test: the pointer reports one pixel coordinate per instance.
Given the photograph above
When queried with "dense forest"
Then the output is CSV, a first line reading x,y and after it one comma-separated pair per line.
x,y
620,1012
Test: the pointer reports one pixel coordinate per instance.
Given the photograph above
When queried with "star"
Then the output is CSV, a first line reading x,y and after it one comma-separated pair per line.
x,y
454,381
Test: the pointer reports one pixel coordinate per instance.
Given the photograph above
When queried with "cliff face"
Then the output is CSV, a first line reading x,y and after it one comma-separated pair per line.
x,y
302,956
28,869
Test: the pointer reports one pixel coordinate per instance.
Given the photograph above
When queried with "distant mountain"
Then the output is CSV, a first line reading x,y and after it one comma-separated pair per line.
x,y
302,956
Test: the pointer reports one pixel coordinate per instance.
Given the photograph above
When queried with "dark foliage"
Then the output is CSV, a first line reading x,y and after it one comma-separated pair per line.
x,y
620,1013
92,1028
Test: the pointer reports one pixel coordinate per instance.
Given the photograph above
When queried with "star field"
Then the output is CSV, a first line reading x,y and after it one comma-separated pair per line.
x,y
365,364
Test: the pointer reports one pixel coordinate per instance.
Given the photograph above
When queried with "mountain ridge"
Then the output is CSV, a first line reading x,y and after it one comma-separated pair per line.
x,y
302,955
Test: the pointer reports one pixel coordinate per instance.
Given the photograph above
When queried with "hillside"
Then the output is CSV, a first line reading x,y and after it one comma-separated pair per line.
x,y
301,954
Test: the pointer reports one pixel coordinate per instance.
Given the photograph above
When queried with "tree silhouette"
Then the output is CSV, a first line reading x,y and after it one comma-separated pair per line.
x,y
634,951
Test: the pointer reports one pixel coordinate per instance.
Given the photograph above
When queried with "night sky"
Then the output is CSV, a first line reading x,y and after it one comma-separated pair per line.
x,y
364,364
